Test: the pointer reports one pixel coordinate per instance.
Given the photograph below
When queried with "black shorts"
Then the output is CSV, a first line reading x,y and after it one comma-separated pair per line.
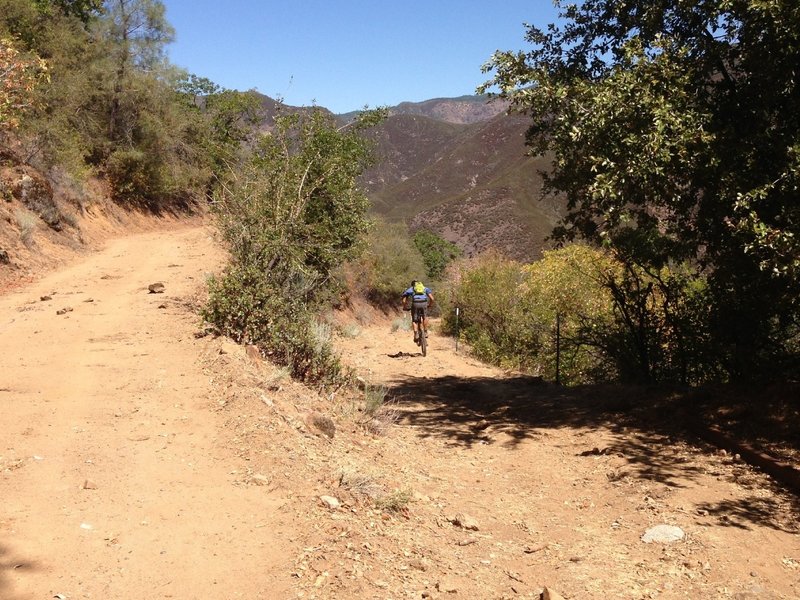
x,y
418,312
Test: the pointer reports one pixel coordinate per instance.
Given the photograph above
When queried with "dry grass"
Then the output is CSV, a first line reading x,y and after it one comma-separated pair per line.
x,y
397,501
26,221
351,330
360,484
380,412
401,324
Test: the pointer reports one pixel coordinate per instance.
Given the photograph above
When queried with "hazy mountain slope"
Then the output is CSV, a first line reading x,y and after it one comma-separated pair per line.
x,y
461,110
405,146
475,186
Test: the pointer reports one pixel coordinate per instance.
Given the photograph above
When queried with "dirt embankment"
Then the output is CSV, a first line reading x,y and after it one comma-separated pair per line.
x,y
138,460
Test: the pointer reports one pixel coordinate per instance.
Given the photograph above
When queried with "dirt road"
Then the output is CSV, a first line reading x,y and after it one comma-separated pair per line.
x,y
112,481
139,461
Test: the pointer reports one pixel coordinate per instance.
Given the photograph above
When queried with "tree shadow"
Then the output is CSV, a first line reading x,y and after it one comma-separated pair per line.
x,y
743,512
653,437
10,564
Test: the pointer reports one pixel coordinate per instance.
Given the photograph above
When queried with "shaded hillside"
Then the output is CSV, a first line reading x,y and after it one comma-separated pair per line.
x,y
406,145
472,184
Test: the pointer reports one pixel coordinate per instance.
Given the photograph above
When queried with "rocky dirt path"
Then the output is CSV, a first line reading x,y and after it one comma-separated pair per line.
x,y
113,483
140,461
562,486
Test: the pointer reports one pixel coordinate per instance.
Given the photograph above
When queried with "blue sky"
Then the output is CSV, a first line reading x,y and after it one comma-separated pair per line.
x,y
345,54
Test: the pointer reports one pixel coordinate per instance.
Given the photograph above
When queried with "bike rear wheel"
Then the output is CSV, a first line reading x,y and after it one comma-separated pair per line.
x,y
423,341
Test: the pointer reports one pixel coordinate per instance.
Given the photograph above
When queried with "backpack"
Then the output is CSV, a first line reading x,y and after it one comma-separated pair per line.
x,y
419,298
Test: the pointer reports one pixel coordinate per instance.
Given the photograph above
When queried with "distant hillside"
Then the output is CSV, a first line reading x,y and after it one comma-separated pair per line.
x,y
472,183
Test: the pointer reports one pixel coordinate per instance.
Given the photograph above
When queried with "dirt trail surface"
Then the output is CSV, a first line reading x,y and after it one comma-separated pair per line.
x,y
112,479
140,459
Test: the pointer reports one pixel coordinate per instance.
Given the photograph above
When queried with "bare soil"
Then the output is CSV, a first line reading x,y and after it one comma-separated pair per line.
x,y
140,458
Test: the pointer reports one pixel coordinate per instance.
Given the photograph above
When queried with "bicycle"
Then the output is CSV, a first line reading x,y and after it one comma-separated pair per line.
x,y
422,331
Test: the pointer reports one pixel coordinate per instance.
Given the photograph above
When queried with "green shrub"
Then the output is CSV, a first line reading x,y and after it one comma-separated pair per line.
x,y
245,305
508,312
486,291
390,262
436,252
291,219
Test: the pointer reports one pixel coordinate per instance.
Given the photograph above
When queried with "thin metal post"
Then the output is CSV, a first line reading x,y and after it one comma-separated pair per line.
x,y
558,348
457,336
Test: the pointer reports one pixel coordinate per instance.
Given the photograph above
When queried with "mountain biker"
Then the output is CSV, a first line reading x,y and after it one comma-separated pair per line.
x,y
417,298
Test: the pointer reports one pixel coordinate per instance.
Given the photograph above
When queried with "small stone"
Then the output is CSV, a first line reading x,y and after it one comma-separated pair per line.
x,y
156,288
45,298
64,310
468,541
548,594
418,564
663,534
447,587
330,502
465,522
259,479
89,485
162,306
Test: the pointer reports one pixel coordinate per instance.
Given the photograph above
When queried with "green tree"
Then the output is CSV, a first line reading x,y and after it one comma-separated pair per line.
x,y
674,134
138,33
436,251
570,285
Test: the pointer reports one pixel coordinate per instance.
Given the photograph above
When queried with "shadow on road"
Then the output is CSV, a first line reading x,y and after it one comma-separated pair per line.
x,y
8,565
651,435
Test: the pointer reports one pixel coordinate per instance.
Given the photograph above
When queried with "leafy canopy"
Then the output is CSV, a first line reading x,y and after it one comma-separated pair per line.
x,y
674,131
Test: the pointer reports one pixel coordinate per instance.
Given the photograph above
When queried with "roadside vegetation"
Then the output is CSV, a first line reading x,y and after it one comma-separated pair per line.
x,y
88,93
292,218
677,146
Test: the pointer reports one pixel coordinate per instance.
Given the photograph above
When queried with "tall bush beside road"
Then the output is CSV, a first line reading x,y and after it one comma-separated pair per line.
x,y
291,218
493,316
